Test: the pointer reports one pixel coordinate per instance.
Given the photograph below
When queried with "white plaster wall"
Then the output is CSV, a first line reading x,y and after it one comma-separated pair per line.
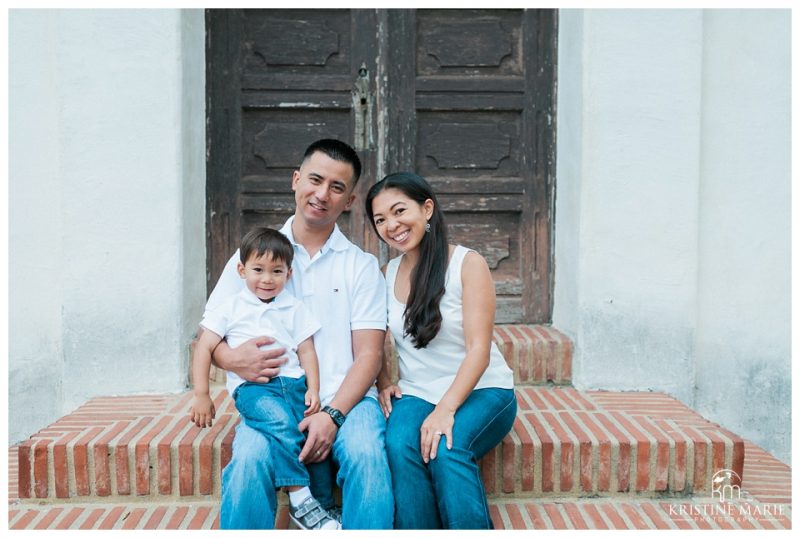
x,y
672,228
631,200
743,344
110,198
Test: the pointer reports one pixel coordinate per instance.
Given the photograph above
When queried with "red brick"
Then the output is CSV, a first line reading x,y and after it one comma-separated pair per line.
x,y
24,460
177,517
102,471
226,447
566,477
61,465
613,515
112,518
624,459
90,521
80,462
25,520
205,455
548,462
594,515
142,456
521,354
638,522
515,517
510,464
701,480
653,514
555,516
155,518
551,368
185,464
67,521
199,518
527,463
40,458
494,513
642,452
585,451
575,516
604,450
181,405
489,472
48,519
121,456
164,452
536,516
132,519
662,453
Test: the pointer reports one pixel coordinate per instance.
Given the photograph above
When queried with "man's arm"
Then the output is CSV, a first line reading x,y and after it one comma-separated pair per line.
x,y
250,362
367,352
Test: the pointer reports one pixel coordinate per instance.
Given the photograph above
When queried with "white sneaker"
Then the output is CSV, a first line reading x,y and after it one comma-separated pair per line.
x,y
309,515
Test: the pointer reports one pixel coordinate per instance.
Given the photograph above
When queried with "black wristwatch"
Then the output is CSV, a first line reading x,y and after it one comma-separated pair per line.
x,y
335,414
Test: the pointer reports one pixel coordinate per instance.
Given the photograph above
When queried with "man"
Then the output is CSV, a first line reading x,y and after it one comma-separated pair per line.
x,y
343,287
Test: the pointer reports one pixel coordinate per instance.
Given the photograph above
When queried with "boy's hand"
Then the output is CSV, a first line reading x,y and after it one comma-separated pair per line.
x,y
312,402
202,413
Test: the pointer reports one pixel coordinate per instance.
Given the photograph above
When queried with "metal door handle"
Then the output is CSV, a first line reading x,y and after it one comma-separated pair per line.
x,y
362,108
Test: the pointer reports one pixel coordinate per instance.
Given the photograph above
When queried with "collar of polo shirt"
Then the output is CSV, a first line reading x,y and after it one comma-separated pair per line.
x,y
337,241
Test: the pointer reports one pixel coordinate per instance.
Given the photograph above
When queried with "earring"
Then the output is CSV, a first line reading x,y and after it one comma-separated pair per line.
x,y
427,227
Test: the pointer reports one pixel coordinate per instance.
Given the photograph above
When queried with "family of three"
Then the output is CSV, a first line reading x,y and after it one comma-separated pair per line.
x,y
298,320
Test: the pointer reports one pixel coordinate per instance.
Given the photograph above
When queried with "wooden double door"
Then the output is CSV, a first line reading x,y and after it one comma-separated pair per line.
x,y
465,98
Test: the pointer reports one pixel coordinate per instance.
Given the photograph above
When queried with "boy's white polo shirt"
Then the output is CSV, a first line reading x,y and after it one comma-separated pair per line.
x,y
342,286
243,316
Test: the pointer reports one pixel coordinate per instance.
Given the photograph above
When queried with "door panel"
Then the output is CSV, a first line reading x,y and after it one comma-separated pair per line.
x,y
465,98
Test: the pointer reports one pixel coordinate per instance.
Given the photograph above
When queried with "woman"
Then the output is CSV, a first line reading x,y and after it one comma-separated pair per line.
x,y
455,398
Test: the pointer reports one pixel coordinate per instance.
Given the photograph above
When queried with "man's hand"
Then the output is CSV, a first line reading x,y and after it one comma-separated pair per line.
x,y
321,434
250,362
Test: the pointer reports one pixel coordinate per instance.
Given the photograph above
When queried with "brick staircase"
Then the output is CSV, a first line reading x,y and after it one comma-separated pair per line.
x,y
574,459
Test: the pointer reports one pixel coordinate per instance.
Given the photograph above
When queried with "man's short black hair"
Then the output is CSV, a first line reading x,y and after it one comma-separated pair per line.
x,y
338,151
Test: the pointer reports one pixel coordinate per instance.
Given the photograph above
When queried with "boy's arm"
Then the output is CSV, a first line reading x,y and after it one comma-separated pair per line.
x,y
201,360
309,363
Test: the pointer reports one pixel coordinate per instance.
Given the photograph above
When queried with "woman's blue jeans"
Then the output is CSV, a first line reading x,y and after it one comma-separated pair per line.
x,y
448,491
248,481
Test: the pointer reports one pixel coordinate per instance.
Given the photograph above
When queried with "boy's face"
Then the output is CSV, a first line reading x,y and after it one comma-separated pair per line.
x,y
264,276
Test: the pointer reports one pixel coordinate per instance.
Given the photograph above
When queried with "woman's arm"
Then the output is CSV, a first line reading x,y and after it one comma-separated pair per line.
x,y
478,306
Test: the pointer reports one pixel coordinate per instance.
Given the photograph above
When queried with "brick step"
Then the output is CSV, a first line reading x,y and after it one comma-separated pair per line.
x,y
564,443
518,514
765,503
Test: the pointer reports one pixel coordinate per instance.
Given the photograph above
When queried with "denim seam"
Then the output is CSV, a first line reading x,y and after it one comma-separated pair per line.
x,y
477,435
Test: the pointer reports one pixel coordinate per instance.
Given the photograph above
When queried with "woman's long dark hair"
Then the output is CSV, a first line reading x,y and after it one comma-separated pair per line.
x,y
422,318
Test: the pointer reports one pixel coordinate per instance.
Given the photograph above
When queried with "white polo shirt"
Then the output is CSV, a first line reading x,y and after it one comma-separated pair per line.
x,y
242,316
344,289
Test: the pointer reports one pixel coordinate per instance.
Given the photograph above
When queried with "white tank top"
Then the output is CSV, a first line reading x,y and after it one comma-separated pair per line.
x,y
427,373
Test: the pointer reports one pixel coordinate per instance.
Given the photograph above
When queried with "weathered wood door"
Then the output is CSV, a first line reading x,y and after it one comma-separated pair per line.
x,y
465,98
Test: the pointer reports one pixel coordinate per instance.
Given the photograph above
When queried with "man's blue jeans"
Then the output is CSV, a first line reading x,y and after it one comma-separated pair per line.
x,y
248,483
448,491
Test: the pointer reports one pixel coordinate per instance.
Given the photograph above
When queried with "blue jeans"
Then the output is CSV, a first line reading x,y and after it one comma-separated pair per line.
x,y
275,409
248,481
448,491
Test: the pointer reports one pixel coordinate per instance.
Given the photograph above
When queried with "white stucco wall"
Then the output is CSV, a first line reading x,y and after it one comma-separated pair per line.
x,y
107,183
672,228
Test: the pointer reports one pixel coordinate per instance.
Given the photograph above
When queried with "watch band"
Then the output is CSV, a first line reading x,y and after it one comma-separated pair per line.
x,y
335,414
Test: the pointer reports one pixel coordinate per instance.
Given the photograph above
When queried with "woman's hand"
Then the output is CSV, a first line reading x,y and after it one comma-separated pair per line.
x,y
438,423
385,398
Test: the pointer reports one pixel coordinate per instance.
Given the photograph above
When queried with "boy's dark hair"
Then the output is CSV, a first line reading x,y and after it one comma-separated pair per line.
x,y
338,151
261,240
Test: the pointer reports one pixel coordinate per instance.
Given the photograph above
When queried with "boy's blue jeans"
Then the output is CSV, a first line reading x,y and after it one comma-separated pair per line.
x,y
447,492
275,409
248,481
